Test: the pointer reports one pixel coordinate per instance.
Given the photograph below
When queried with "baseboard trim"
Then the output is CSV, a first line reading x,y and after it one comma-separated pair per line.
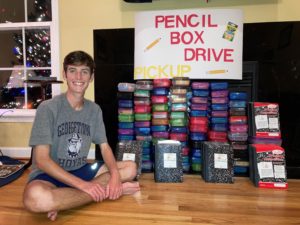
x,y
25,152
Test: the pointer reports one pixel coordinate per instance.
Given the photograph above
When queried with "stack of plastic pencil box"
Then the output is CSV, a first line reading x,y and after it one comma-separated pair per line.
x,y
142,121
219,112
160,110
198,122
125,111
179,117
238,132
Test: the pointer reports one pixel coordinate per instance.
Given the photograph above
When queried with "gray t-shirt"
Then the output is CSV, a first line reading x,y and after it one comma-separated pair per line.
x,y
68,132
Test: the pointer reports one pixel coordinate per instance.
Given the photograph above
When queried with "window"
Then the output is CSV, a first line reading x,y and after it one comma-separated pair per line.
x,y
29,54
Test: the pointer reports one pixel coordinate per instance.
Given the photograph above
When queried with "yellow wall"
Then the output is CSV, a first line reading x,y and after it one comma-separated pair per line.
x,y
79,18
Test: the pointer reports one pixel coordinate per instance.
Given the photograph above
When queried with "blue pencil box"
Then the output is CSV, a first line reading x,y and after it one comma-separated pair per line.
x,y
218,85
179,130
160,91
237,104
219,120
146,151
198,113
196,152
142,130
125,104
159,128
125,137
200,93
219,106
126,125
238,96
195,136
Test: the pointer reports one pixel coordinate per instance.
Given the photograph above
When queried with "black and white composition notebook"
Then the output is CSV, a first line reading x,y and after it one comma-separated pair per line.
x,y
268,166
217,162
168,162
130,150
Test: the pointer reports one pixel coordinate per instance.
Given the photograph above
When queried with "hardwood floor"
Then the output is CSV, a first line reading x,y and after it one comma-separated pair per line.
x,y
187,203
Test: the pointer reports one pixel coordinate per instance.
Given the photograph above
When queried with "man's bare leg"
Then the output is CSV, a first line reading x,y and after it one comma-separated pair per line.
x,y
129,188
42,196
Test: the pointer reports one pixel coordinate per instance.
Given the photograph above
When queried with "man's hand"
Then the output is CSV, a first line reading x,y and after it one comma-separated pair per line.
x,y
96,191
114,188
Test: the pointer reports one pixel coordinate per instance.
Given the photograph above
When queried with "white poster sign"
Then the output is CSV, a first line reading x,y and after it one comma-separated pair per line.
x,y
194,43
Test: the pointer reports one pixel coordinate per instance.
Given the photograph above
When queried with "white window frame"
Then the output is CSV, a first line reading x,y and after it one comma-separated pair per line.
x,y
27,115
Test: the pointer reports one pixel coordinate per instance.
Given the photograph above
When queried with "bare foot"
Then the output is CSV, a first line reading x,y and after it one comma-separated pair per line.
x,y
130,188
139,197
52,215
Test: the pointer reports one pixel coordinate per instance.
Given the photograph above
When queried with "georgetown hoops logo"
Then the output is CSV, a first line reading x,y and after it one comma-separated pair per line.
x,y
74,145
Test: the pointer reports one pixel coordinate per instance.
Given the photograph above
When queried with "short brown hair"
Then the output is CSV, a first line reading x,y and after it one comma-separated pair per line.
x,y
79,58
